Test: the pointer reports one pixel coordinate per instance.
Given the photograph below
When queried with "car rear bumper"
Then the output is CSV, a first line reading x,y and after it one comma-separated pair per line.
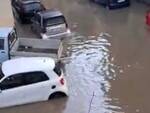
x,y
62,88
57,36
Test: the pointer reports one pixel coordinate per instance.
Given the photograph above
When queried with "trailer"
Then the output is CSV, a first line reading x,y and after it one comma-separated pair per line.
x,y
29,47
13,47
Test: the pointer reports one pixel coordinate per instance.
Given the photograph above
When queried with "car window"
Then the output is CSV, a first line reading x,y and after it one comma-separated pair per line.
x,y
1,72
12,82
57,69
54,21
32,6
1,44
12,38
35,77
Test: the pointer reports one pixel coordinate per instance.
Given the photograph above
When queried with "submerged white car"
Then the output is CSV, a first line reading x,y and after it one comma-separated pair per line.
x,y
27,80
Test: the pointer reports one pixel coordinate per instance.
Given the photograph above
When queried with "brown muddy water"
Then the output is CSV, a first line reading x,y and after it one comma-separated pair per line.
x,y
108,69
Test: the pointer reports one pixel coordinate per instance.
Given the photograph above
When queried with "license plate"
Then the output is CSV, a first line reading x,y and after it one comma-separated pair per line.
x,y
119,1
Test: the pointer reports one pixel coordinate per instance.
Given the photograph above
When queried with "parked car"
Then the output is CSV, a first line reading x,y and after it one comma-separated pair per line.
x,y
7,29
50,24
27,80
113,4
24,9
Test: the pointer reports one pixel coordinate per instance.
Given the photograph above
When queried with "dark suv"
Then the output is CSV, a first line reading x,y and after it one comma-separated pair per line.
x,y
24,9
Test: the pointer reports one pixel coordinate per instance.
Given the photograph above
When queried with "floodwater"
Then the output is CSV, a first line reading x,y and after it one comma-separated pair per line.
x,y
108,60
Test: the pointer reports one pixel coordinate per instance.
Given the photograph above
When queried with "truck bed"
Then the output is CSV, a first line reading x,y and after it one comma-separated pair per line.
x,y
29,47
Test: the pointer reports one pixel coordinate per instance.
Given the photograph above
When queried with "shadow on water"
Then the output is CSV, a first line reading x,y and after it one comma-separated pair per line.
x,y
89,72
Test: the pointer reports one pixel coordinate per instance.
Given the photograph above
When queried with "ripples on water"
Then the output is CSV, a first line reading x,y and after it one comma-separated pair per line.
x,y
89,72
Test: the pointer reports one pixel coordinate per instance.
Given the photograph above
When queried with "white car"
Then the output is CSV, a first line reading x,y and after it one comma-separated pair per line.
x,y
27,80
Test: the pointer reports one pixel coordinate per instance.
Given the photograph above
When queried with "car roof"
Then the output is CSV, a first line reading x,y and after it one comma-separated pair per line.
x,y
29,1
4,31
50,13
30,64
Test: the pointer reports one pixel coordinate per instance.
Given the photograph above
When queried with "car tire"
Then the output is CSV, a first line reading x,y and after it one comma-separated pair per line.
x,y
56,95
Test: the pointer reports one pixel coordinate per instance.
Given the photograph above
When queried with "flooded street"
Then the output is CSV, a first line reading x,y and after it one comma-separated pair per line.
x,y
108,66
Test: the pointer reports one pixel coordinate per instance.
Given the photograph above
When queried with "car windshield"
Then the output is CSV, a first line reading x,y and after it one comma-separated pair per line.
x,y
54,21
1,72
1,44
32,6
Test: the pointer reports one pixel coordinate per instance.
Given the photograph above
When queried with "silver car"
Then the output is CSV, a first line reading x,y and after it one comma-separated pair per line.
x,y
50,24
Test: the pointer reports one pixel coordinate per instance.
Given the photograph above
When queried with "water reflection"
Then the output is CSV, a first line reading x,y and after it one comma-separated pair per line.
x,y
54,106
89,72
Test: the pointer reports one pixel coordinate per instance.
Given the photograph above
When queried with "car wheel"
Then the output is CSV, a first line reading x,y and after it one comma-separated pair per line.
x,y
57,95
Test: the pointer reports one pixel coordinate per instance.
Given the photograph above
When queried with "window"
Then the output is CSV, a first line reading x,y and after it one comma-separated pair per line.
x,y
54,21
12,38
35,77
22,80
57,69
1,44
32,7
12,82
